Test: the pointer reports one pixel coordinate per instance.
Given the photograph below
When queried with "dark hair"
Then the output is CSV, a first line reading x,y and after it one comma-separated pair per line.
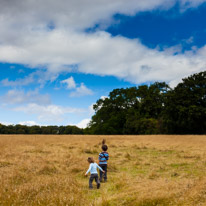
x,y
104,147
90,160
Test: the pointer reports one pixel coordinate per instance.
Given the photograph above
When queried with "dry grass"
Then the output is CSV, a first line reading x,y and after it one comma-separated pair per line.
x,y
143,170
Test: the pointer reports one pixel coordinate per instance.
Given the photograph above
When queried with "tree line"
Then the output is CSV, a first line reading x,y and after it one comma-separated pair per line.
x,y
146,109
23,129
153,109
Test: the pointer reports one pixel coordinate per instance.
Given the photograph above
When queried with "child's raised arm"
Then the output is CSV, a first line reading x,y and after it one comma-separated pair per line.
x,y
100,168
88,170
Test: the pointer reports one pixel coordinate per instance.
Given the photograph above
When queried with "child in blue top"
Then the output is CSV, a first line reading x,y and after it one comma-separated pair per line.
x,y
103,158
93,171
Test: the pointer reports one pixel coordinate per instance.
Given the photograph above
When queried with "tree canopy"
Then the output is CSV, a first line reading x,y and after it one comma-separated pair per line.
x,y
153,109
185,110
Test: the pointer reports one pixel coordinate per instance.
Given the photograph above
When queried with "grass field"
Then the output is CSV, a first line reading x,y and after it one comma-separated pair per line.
x,y
142,171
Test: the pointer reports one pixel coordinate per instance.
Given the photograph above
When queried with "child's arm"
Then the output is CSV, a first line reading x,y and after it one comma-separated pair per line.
x,y
88,170
100,168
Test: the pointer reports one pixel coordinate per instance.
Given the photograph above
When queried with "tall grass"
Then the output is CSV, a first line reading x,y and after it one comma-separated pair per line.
x,y
142,170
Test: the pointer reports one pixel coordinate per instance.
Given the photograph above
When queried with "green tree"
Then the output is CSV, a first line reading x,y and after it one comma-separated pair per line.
x,y
20,129
185,111
35,129
144,117
72,130
125,110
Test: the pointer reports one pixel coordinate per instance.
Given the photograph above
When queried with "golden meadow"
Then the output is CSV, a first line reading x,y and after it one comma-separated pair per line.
x,y
143,170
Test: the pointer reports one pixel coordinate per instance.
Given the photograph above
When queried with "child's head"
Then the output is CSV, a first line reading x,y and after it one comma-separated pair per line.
x,y
104,147
90,160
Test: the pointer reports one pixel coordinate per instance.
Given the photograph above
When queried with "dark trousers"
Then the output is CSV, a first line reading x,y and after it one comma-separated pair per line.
x,y
104,167
92,177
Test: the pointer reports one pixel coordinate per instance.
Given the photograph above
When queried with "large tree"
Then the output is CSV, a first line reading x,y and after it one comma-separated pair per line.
x,y
132,110
153,109
185,111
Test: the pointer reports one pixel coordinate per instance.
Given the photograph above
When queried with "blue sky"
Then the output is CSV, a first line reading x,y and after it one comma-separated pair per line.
x,y
57,58
164,28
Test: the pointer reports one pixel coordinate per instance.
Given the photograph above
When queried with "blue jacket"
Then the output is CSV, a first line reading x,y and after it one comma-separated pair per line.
x,y
103,157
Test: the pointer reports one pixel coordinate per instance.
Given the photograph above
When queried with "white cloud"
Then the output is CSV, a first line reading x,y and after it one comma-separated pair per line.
x,y
40,76
20,97
70,83
19,82
189,40
77,14
28,123
81,91
185,4
83,124
48,113
6,123
102,54
26,38
103,97
91,110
